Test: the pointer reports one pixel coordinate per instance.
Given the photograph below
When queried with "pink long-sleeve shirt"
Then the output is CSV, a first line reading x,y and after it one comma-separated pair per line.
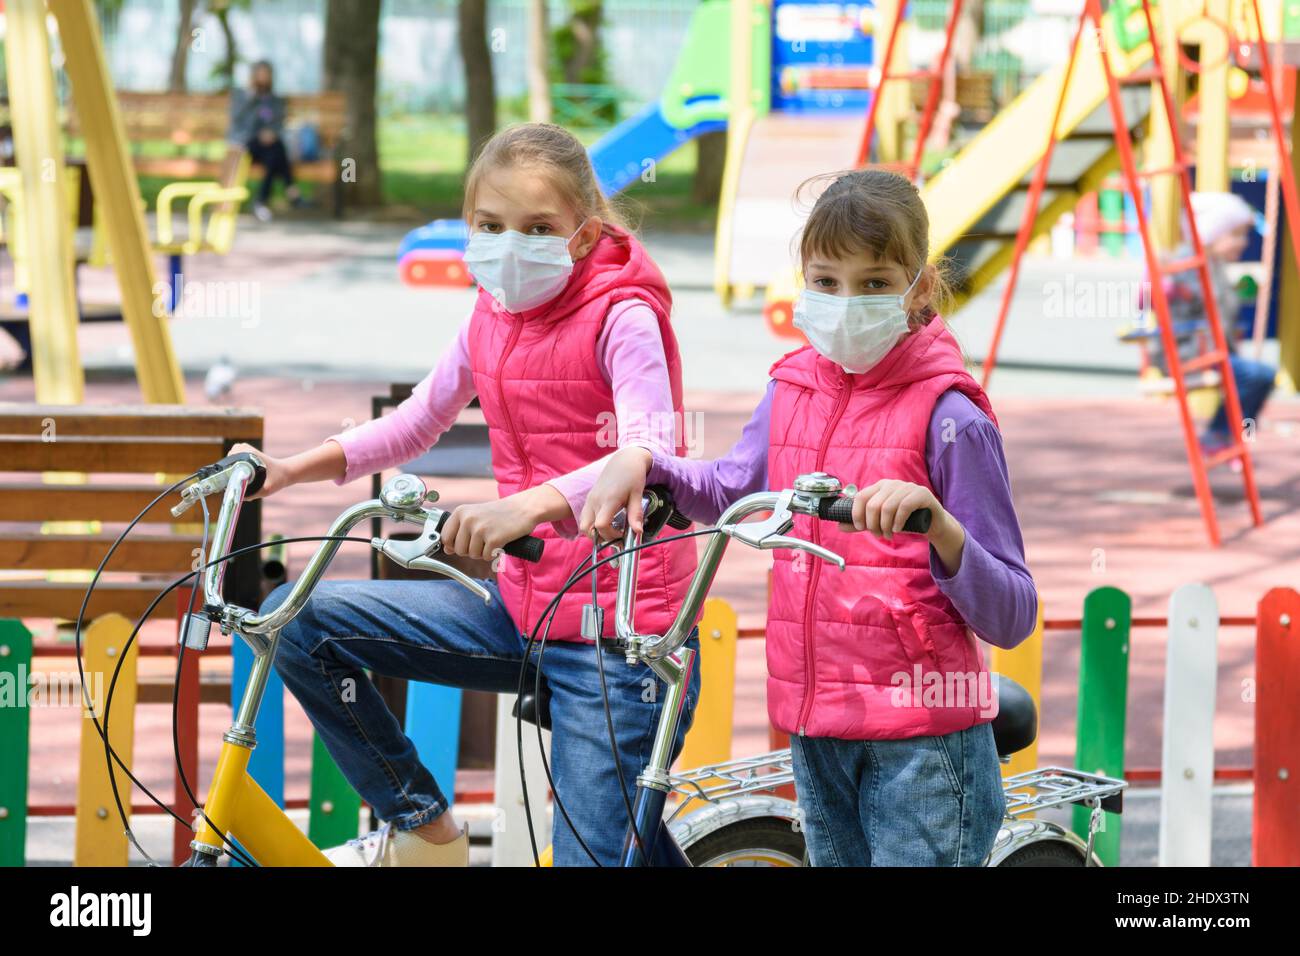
x,y
630,353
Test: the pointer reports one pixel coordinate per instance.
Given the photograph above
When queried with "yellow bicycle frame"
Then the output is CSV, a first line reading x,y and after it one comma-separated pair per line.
x,y
251,818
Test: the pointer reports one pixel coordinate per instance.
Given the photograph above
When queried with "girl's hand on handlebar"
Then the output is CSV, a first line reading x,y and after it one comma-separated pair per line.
x,y
618,488
884,507
278,474
481,530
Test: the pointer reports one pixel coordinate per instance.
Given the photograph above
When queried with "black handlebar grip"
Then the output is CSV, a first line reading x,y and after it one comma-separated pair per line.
x,y
841,509
527,548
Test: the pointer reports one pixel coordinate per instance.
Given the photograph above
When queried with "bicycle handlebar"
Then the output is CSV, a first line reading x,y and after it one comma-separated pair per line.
x,y
404,499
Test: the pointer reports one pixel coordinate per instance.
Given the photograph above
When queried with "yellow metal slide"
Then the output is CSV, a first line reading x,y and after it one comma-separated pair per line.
x,y
976,202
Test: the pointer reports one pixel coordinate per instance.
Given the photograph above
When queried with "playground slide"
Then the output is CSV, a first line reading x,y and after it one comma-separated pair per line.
x,y
623,154
780,152
976,202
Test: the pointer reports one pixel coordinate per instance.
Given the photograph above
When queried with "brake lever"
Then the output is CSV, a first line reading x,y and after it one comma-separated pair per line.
x,y
417,555
770,533
753,533
772,542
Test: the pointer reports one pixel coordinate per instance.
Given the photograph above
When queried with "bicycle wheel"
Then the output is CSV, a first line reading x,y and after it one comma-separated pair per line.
x,y
763,841
1045,853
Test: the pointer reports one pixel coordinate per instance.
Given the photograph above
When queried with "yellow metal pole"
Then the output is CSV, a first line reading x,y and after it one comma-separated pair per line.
x,y
1212,95
43,218
118,195
1166,196
740,118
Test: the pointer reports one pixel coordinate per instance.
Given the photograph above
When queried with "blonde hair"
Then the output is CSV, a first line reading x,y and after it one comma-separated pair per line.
x,y
876,211
556,153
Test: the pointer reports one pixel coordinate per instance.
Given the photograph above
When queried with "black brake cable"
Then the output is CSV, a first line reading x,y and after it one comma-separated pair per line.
x,y
140,623
547,613
609,713
110,753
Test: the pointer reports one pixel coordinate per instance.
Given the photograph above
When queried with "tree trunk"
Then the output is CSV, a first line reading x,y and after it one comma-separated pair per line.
x,y
710,160
539,84
351,52
480,90
181,54
227,69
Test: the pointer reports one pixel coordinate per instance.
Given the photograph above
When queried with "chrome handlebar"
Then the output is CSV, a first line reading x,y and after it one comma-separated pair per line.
x,y
765,535
404,498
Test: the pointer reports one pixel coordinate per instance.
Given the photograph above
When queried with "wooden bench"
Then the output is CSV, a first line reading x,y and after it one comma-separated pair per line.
x,y
115,455
191,130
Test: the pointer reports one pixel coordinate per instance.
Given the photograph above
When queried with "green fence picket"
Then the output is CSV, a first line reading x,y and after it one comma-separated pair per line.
x,y
15,733
1103,704
335,807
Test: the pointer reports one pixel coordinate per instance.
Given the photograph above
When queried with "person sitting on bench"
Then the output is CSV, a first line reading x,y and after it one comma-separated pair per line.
x,y
257,124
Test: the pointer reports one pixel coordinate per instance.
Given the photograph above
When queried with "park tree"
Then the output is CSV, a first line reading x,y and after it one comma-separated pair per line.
x,y
351,67
480,88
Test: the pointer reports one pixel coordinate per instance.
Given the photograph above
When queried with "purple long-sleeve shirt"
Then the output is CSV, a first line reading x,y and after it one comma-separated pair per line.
x,y
992,588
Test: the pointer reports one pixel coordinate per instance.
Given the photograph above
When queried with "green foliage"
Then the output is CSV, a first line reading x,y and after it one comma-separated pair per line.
x,y
565,69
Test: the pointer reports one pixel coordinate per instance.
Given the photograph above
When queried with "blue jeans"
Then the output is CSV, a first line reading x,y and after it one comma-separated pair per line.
x,y
1254,385
436,631
922,801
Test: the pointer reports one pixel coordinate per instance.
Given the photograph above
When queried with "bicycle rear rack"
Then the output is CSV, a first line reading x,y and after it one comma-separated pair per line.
x,y
1049,787
1026,793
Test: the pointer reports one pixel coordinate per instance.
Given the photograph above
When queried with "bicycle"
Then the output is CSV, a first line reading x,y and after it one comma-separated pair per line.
x,y
742,823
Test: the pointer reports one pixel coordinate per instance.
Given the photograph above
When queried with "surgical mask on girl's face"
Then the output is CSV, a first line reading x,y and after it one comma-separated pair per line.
x,y
854,331
521,272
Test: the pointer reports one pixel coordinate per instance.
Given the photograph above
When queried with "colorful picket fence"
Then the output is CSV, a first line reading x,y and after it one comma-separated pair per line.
x,y
1106,626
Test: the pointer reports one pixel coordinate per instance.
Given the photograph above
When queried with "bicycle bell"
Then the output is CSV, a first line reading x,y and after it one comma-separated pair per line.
x,y
405,492
818,484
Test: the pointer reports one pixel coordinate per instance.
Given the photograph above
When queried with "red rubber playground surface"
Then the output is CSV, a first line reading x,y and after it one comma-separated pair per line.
x,y
1104,495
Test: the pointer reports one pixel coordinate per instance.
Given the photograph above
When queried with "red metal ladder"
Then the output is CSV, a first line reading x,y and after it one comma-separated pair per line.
x,y
1217,357
934,75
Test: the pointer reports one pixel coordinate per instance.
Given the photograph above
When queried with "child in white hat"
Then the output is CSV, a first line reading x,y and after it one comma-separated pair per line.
x,y
1225,222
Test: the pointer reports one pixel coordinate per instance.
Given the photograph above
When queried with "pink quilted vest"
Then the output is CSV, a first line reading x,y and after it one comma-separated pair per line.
x,y
856,655
550,411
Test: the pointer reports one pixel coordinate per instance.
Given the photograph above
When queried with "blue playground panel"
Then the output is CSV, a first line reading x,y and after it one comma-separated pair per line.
x,y
825,36
433,724
623,154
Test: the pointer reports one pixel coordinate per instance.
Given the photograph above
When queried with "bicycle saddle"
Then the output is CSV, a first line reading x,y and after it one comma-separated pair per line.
x,y
1016,725
535,710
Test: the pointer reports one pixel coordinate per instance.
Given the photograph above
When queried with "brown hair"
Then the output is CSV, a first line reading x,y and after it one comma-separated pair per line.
x,y
876,211
554,151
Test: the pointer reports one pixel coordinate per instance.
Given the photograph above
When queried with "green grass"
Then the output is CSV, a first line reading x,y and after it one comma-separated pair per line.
x,y
423,161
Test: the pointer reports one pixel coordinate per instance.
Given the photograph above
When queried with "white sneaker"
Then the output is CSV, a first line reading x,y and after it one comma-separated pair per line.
x,y
389,847
262,212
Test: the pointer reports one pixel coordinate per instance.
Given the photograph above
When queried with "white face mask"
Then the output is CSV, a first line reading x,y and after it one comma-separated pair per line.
x,y
854,331
521,272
